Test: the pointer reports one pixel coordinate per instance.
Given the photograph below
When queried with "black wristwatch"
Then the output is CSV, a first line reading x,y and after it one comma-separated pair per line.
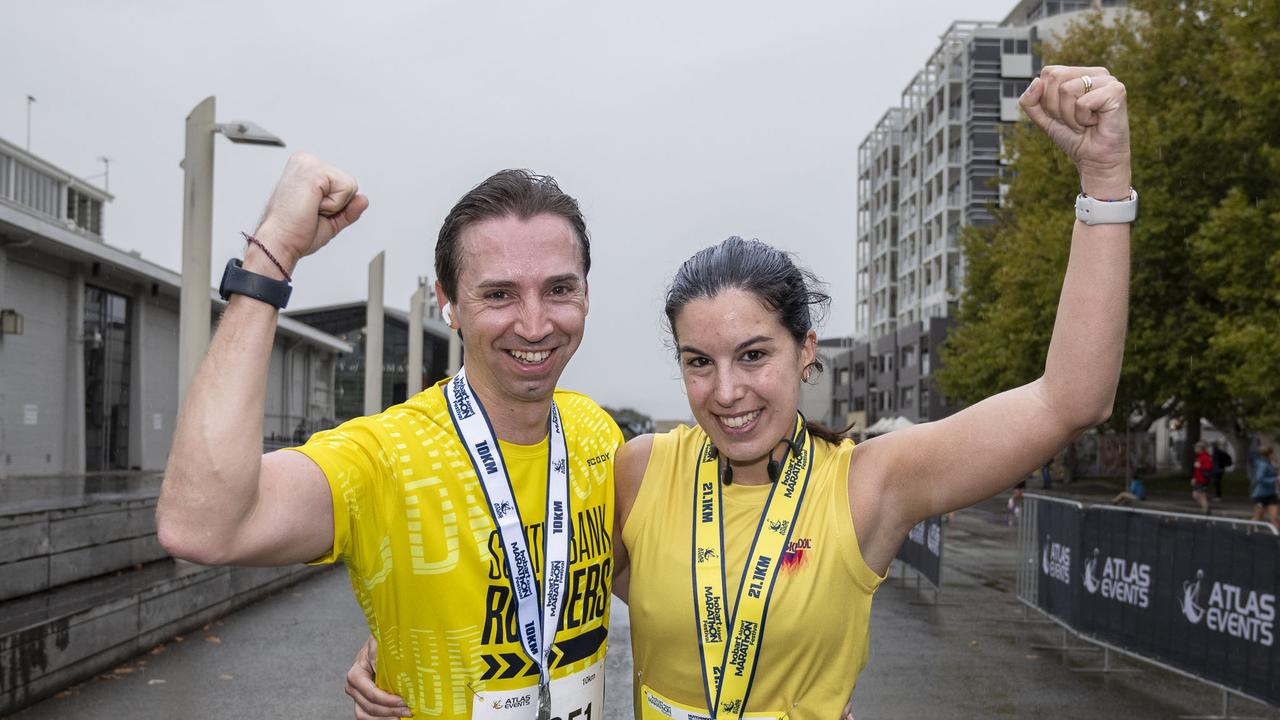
x,y
236,280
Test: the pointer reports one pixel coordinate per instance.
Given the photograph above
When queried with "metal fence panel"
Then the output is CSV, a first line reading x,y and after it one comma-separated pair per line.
x,y
1193,594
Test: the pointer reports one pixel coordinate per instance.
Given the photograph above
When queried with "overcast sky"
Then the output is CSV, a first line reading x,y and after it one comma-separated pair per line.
x,y
675,125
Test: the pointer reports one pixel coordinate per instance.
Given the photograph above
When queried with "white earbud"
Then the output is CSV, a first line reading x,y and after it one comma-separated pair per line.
x,y
447,313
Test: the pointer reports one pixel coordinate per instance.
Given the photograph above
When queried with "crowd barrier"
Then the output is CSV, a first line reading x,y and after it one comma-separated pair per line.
x,y
922,551
1193,594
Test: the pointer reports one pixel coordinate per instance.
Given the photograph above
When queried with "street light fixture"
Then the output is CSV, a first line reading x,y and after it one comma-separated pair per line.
x,y
247,133
197,229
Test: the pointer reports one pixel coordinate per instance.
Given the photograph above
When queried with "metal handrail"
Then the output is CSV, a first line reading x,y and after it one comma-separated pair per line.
x,y
1192,516
1050,498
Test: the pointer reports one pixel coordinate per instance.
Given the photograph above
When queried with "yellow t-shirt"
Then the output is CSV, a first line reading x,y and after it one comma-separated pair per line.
x,y
426,563
815,633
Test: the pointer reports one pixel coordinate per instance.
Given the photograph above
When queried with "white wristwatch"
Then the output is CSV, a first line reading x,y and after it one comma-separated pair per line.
x,y
1092,211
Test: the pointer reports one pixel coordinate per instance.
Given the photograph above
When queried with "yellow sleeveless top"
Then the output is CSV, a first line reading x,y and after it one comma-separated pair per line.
x,y
426,563
815,633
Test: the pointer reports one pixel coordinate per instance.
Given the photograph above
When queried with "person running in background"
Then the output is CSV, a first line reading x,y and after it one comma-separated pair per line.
x,y
1200,477
1221,461
1262,486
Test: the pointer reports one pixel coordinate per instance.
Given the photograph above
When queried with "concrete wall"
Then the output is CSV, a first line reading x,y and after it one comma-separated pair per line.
x,y
43,550
33,370
158,399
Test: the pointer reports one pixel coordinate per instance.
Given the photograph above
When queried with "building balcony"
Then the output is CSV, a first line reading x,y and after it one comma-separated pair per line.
x,y
39,188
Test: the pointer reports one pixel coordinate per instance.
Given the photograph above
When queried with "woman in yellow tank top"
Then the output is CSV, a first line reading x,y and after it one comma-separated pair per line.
x,y
753,542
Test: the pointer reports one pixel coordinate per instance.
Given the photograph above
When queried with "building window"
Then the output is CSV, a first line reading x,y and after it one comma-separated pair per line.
x,y
988,51
924,400
859,404
1014,46
909,356
842,376
84,211
859,371
908,397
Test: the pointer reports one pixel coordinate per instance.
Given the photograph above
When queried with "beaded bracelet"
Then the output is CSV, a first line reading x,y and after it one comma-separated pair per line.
x,y
256,241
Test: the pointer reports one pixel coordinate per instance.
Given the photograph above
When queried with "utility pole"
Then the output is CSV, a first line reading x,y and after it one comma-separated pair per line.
x,y
106,172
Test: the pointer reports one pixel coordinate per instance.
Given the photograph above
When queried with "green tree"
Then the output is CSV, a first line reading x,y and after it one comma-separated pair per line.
x,y
1204,312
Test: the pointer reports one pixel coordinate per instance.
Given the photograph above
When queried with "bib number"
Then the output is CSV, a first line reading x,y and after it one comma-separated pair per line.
x,y
655,706
579,696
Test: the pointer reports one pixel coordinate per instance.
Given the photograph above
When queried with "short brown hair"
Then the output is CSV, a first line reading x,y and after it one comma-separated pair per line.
x,y
521,193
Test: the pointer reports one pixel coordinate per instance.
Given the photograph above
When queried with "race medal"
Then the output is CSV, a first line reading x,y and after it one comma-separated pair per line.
x,y
730,647
544,701
537,609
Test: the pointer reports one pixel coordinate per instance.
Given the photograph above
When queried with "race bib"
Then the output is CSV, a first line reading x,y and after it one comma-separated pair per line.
x,y
655,706
579,696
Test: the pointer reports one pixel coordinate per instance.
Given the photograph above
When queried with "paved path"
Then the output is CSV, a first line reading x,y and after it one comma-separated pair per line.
x,y
967,657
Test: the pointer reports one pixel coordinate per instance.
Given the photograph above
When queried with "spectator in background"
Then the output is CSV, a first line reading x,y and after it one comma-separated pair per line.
x,y
1200,477
1046,474
1221,461
1136,492
1262,486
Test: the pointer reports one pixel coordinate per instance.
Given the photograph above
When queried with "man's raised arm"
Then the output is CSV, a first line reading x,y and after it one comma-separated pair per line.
x,y
222,501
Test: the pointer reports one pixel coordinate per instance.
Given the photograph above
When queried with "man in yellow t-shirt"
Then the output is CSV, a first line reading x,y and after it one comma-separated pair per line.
x,y
445,508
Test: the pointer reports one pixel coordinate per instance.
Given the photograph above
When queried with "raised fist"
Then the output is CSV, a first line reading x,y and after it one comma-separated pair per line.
x,y
312,202
1083,110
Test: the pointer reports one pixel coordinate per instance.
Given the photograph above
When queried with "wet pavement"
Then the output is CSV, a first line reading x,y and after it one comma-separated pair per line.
x,y
968,656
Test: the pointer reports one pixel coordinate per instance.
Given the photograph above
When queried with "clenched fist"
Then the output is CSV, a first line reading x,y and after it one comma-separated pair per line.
x,y
313,201
1083,110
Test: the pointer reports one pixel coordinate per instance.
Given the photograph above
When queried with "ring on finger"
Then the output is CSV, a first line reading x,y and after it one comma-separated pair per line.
x,y
1088,82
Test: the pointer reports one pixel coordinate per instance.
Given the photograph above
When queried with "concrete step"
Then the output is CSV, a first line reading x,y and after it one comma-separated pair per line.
x,y
55,531
54,639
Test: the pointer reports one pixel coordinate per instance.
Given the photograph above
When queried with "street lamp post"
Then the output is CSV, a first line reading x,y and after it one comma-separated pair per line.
x,y
197,229
417,305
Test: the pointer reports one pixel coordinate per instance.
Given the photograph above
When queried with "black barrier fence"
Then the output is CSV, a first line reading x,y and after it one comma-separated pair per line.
x,y
922,550
1194,595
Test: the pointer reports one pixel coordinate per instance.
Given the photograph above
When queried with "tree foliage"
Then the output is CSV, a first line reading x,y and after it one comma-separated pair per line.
x,y
1204,326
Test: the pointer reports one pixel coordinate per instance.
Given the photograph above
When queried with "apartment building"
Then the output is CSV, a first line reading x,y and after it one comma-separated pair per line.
x,y
929,168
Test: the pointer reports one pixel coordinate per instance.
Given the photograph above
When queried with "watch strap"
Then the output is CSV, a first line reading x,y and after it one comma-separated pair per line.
x,y
1092,211
238,281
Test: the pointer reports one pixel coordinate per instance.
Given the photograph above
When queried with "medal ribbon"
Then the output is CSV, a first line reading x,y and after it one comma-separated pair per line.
x,y
729,658
537,629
